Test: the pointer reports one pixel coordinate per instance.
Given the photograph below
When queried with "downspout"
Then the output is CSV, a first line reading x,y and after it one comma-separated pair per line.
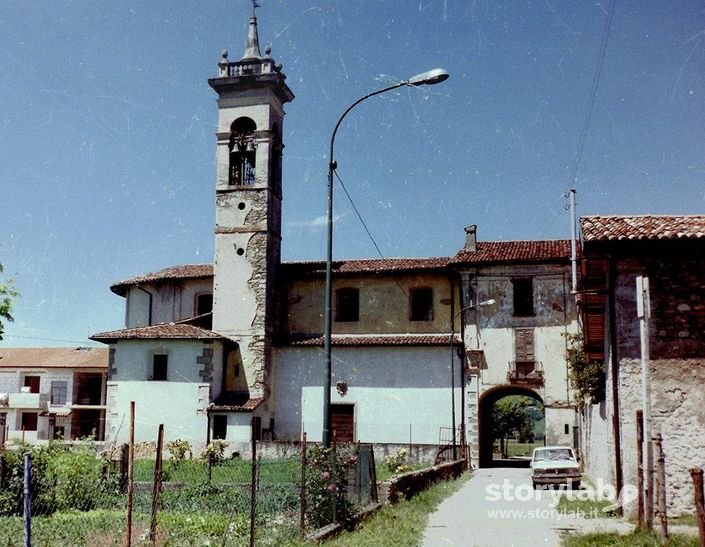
x,y
151,297
614,361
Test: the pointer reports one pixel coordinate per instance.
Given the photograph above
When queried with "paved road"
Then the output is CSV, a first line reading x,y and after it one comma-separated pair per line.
x,y
499,507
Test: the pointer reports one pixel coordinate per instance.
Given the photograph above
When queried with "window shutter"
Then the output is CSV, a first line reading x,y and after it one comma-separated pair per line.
x,y
524,344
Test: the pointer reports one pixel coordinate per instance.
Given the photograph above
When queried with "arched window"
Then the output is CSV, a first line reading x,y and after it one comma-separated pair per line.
x,y
242,152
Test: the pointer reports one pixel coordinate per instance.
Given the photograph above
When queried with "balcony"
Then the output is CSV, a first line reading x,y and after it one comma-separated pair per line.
x,y
525,373
31,401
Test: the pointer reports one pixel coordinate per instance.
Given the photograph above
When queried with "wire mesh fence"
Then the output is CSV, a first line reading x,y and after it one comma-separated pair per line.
x,y
81,497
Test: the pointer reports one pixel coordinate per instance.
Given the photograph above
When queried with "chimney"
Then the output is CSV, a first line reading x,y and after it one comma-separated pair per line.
x,y
471,238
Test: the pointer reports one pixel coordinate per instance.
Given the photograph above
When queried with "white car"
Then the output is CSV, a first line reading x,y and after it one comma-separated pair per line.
x,y
555,465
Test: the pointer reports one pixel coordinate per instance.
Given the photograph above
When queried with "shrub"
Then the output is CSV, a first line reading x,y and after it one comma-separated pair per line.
x,y
397,463
215,451
326,486
62,478
177,451
587,378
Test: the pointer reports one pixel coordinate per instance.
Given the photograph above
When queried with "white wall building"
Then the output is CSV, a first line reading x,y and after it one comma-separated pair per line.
x,y
52,393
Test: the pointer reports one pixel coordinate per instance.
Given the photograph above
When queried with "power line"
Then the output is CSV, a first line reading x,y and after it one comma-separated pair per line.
x,y
593,93
83,342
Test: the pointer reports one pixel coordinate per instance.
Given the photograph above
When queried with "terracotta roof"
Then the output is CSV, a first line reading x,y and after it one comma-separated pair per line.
x,y
54,357
167,330
500,252
235,403
186,271
642,227
371,265
442,339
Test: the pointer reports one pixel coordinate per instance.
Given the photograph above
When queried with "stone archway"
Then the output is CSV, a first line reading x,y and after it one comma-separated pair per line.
x,y
487,401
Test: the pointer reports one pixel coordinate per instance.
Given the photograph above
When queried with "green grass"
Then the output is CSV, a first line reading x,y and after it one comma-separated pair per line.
x,y
229,472
635,539
401,524
571,502
685,520
516,449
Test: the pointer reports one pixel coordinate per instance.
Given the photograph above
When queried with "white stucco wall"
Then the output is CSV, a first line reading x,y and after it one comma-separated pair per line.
x,y
133,359
549,346
180,406
401,394
179,403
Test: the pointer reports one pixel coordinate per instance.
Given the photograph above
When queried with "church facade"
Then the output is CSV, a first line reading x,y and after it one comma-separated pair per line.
x,y
421,346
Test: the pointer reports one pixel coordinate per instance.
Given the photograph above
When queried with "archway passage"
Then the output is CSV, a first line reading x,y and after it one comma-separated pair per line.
x,y
488,428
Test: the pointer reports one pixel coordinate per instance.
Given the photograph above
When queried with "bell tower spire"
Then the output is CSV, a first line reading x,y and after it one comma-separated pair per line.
x,y
252,49
251,97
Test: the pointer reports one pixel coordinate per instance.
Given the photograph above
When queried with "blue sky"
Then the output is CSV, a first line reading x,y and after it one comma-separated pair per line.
x,y
107,131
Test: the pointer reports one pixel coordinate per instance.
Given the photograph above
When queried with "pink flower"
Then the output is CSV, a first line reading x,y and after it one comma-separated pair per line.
x,y
326,475
332,488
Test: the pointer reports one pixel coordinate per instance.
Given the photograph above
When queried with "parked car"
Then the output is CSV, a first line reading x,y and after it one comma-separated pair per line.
x,y
555,465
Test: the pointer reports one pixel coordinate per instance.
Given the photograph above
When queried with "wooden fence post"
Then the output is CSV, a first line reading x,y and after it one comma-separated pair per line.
x,y
661,489
302,520
157,485
697,475
28,499
130,477
124,464
640,468
253,485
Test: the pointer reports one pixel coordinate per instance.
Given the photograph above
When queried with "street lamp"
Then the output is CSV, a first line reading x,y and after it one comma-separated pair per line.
x,y
431,77
452,363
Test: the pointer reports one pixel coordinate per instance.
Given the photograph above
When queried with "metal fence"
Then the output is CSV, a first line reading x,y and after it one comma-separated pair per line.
x,y
75,496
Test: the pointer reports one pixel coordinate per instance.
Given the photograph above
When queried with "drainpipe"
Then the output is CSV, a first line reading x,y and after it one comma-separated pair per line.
x,y
151,297
614,362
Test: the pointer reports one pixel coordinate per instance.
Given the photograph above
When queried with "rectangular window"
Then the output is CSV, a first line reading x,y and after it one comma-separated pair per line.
x,y
159,367
32,382
422,304
523,296
220,426
29,421
58,393
347,305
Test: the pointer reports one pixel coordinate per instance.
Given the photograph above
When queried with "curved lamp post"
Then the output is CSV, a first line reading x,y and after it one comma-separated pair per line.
x,y
431,77
452,363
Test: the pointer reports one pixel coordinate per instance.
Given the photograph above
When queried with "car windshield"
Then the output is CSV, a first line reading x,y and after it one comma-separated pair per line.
x,y
553,454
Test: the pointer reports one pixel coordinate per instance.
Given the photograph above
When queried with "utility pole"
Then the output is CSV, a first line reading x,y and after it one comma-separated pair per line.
x,y
643,310
573,237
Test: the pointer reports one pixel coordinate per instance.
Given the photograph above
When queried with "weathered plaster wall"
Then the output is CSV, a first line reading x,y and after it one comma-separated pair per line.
x,y
170,302
678,413
384,304
398,392
597,441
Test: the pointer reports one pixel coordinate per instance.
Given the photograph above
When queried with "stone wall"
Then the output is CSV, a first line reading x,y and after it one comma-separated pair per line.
x,y
678,413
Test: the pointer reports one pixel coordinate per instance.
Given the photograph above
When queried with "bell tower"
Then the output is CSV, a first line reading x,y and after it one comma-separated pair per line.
x,y
251,97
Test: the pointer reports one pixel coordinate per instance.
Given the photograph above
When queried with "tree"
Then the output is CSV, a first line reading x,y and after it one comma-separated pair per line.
x,y
7,293
511,415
